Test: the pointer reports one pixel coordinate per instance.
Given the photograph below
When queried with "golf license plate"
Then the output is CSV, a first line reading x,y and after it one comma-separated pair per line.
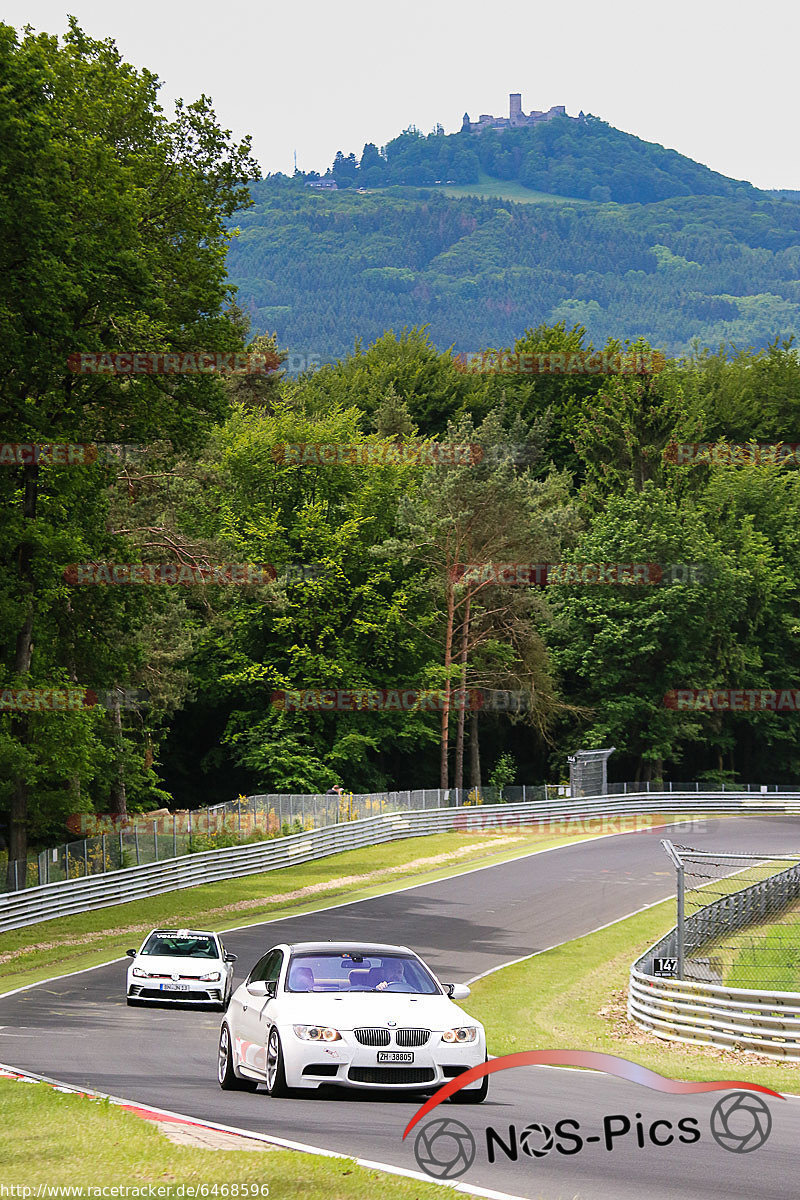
x,y
175,987
395,1056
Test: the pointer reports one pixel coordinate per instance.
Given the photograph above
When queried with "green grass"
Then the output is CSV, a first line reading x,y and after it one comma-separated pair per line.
x,y
505,189
771,960
67,944
573,997
55,1138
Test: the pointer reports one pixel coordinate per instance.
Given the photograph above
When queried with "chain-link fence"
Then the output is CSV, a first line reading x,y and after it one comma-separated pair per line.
x,y
738,919
107,843
112,843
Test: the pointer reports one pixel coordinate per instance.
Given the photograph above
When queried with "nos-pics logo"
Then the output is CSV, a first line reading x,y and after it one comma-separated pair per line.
x,y
445,1148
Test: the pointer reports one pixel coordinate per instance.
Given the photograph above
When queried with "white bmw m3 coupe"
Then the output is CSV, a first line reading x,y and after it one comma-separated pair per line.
x,y
181,964
348,1013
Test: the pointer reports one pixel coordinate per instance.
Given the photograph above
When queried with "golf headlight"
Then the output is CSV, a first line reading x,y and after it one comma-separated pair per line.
x,y
212,977
142,974
465,1033
317,1033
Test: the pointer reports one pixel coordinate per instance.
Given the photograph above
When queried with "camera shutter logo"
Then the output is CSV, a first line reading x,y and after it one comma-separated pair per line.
x,y
741,1122
444,1148
536,1140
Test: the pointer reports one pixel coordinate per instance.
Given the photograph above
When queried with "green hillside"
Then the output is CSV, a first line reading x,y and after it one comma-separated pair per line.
x,y
322,268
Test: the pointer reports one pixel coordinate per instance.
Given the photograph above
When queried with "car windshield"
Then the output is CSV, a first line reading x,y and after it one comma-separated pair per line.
x,y
360,973
176,945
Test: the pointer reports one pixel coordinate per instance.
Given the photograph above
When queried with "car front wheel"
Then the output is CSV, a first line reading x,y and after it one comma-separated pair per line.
x,y
228,1080
276,1070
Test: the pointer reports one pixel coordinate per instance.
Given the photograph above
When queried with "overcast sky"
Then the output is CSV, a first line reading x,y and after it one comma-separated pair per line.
x,y
716,81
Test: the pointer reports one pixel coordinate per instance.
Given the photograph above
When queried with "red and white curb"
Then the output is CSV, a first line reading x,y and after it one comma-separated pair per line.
x,y
162,1115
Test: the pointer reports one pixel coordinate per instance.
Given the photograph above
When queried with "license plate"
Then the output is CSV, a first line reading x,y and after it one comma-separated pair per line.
x,y
395,1056
175,987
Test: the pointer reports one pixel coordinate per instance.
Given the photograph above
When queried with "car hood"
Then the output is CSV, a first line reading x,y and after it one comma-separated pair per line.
x,y
373,1008
158,965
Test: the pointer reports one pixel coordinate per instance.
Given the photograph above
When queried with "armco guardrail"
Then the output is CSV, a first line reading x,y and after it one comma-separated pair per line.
x,y
685,1010
46,901
708,1013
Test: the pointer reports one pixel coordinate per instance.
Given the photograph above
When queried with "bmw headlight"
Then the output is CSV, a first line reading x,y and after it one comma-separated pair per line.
x,y
317,1033
142,974
462,1035
212,977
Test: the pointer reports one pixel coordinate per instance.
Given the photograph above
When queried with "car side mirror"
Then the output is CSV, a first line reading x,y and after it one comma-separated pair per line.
x,y
231,957
130,953
457,991
263,987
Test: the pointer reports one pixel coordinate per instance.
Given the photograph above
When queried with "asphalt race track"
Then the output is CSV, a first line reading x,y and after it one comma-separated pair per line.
x,y
80,1031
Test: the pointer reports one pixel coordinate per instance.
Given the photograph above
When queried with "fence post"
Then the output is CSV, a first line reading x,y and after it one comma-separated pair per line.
x,y
104,853
678,862
136,841
66,860
175,833
681,915
120,847
155,839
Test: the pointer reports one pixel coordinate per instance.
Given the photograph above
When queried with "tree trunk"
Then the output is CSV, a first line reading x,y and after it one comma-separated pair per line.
x,y
20,729
444,763
459,767
119,806
474,751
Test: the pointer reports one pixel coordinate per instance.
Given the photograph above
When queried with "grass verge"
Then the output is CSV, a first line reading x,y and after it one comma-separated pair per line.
x,y
73,943
58,1139
574,996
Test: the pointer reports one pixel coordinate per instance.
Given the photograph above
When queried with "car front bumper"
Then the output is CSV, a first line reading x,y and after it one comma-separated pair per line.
x,y
347,1063
186,992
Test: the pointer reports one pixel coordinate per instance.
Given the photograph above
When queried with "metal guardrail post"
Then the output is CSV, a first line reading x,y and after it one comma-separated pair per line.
x,y
121,849
175,832
155,839
136,841
104,852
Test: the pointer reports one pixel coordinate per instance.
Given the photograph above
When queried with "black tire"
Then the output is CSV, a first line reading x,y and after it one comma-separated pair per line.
x,y
472,1095
227,1078
276,1070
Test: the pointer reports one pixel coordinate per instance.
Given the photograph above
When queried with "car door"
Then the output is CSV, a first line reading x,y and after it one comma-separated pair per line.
x,y
253,1023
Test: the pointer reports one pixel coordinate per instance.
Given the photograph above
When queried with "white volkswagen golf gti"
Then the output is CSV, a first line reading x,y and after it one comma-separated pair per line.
x,y
181,964
355,1014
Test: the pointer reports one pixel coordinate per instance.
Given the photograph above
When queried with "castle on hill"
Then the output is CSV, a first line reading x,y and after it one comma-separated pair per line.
x,y
516,117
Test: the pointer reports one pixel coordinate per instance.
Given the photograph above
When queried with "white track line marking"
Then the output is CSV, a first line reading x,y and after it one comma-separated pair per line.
x,y
363,899
284,1143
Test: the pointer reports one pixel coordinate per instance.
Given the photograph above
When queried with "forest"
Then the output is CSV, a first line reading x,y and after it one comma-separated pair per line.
x,y
323,269
195,568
